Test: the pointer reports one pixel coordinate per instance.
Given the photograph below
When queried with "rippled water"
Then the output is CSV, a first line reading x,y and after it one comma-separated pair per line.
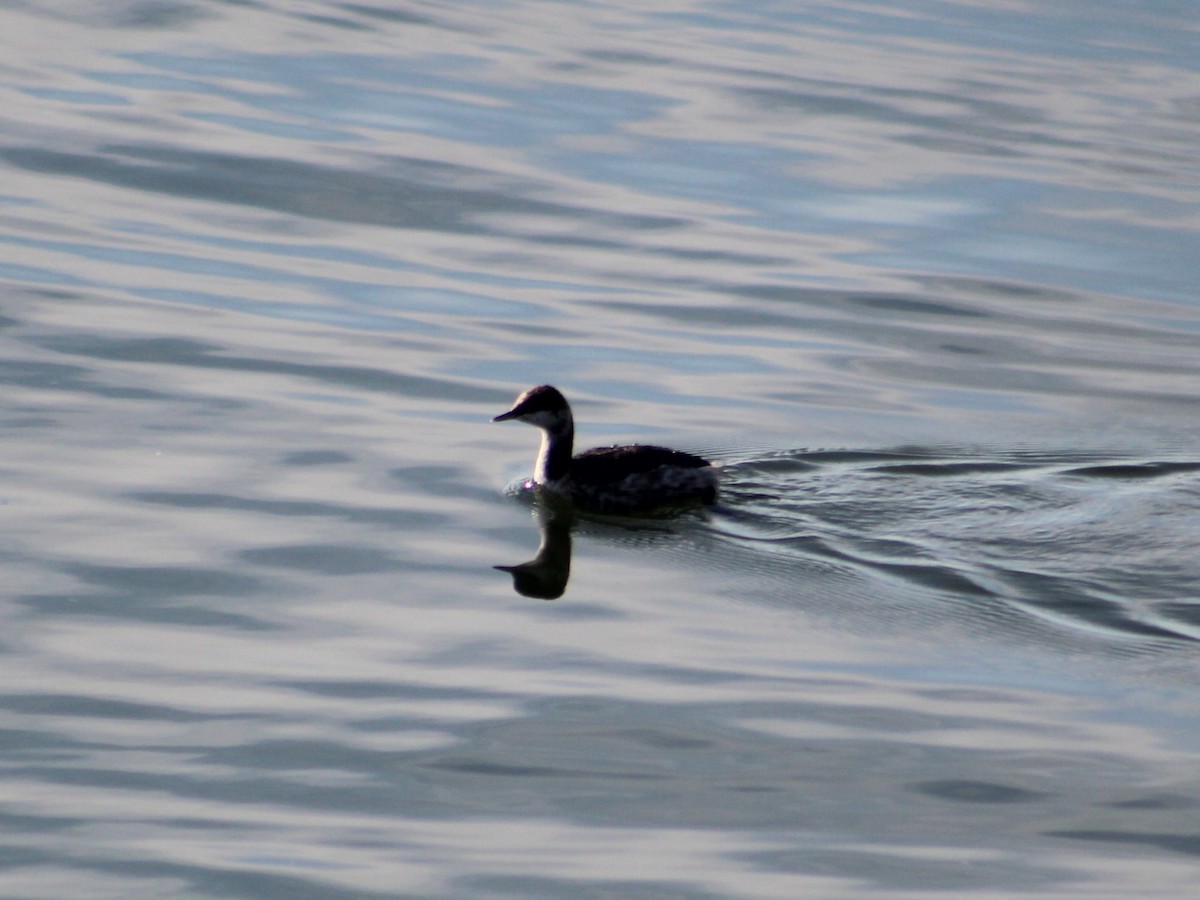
x,y
921,278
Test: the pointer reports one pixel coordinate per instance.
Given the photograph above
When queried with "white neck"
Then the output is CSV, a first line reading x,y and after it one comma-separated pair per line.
x,y
554,456
540,475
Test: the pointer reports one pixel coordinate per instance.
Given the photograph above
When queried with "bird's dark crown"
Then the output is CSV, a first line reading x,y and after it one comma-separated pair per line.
x,y
543,398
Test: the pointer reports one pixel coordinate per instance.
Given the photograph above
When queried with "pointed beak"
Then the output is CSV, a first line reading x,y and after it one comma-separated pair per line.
x,y
504,417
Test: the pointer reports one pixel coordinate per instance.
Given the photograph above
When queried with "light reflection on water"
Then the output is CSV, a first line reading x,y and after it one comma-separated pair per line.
x,y
267,274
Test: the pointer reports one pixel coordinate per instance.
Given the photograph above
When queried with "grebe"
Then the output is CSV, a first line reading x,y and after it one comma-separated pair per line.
x,y
635,478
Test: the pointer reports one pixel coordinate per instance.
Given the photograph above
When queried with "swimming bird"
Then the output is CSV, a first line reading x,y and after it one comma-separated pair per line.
x,y
618,479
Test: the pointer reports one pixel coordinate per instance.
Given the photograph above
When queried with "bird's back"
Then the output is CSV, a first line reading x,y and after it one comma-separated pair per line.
x,y
604,464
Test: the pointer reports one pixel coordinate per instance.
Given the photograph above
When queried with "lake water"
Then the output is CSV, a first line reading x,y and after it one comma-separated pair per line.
x,y
922,277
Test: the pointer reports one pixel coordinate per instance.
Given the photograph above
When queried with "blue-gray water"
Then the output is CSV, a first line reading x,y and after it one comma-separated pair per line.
x,y
922,277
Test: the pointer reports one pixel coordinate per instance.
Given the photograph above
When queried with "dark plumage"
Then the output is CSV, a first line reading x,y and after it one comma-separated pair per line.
x,y
618,479
607,463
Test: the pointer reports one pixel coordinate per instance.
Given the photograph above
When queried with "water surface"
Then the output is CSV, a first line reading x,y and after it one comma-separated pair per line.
x,y
921,280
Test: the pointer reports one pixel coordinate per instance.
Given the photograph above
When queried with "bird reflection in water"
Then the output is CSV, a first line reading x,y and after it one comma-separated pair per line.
x,y
545,576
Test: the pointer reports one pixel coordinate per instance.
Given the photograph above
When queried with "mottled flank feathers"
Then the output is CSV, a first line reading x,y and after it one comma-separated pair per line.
x,y
607,463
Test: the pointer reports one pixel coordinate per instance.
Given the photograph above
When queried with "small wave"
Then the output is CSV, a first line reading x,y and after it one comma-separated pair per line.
x,y
1060,539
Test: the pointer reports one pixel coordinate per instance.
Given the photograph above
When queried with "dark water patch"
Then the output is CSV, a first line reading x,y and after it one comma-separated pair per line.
x,y
969,695
164,16
837,456
898,461
1000,289
153,594
18,823
660,739
165,581
968,109
356,689
1163,801
342,22
74,705
117,606
962,349
576,612
392,15
817,102
488,769
190,353
1075,598
938,577
413,194
972,123
786,293
952,469
706,254
284,773
930,462
1187,844
32,422
433,480
649,529
545,887
399,519
239,878
325,559
295,757
1132,471
1186,612
526,331
1002,387
963,791
623,57
810,546
729,317
38,745
914,306
306,458
37,375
